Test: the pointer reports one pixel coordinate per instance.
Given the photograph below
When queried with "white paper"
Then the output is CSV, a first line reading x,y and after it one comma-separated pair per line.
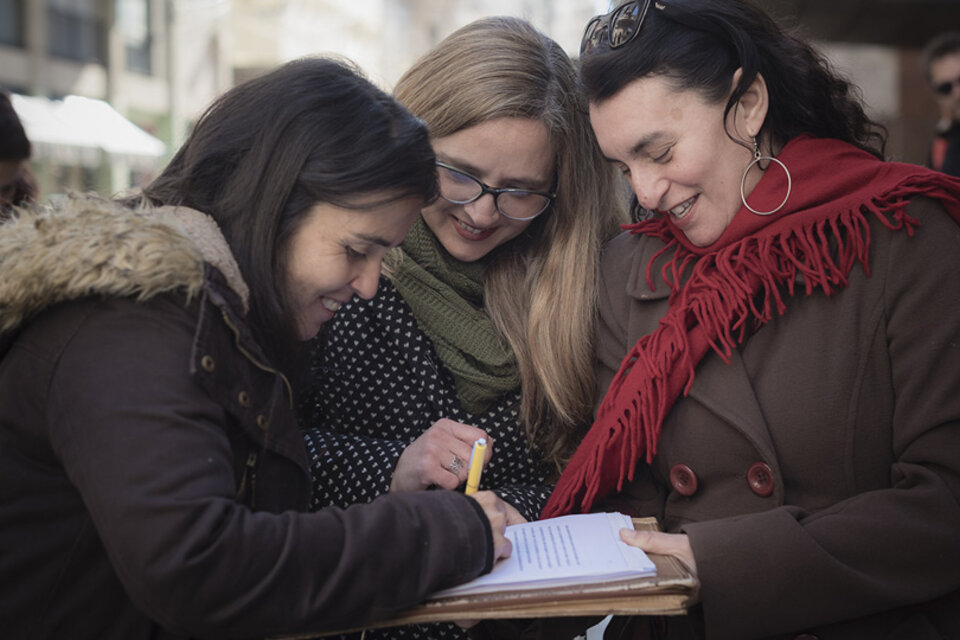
x,y
560,551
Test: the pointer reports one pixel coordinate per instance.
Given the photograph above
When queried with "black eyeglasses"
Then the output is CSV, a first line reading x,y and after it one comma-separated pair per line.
x,y
459,187
616,28
945,88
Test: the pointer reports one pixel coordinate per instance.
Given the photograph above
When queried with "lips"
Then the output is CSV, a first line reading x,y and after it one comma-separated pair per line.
x,y
469,232
330,304
683,208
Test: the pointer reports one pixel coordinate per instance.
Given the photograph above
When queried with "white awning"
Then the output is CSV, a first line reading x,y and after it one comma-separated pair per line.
x,y
76,130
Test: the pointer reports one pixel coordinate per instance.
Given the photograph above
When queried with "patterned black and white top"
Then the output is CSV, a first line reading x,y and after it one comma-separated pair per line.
x,y
380,384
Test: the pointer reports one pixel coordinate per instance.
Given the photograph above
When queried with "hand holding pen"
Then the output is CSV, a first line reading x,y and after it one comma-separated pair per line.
x,y
439,457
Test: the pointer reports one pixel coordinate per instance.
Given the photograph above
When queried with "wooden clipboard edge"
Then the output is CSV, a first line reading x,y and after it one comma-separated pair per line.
x,y
642,603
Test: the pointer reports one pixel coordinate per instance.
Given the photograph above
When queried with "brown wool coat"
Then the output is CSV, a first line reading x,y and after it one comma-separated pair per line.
x,y
817,474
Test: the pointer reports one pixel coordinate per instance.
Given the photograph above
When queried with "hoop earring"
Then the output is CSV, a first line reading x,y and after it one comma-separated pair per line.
x,y
756,159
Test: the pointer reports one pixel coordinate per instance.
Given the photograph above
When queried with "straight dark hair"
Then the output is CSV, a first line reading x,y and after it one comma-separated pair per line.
x,y
700,44
263,154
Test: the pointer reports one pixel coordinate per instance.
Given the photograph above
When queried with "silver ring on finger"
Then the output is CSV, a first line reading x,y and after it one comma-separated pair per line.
x,y
456,465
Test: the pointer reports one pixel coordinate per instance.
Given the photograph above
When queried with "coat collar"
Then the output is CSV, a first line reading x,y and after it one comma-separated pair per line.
x,y
721,386
86,245
637,285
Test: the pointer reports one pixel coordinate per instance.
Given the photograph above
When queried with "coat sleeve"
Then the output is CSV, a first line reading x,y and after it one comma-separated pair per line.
x,y
155,470
889,547
349,469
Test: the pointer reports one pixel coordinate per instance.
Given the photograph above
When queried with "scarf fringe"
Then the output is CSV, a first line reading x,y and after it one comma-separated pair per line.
x,y
727,295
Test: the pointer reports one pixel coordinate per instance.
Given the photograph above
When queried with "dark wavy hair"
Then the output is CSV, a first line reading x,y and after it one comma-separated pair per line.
x,y
264,153
699,44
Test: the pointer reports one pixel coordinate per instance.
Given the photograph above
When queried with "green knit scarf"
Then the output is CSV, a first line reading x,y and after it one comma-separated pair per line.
x,y
446,298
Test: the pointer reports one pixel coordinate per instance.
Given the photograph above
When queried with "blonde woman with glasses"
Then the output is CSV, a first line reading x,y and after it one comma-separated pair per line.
x,y
483,326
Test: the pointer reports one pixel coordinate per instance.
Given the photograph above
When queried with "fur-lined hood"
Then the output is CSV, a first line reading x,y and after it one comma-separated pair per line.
x,y
85,245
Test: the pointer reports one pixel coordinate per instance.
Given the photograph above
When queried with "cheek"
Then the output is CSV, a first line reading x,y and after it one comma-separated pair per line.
x,y
295,287
436,214
513,229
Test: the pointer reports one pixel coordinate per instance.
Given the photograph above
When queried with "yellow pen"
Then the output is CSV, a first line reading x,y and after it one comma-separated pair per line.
x,y
476,465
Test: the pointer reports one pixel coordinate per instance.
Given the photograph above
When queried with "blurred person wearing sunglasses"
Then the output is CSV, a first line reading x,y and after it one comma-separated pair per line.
x,y
483,324
779,342
941,60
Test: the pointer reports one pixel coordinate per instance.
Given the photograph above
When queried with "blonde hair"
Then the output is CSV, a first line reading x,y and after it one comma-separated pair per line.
x,y
540,289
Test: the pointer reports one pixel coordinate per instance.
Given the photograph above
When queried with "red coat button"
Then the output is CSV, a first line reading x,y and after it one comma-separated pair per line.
x,y
683,480
760,479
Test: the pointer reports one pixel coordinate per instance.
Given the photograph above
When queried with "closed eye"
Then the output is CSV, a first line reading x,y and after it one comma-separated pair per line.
x,y
353,254
663,157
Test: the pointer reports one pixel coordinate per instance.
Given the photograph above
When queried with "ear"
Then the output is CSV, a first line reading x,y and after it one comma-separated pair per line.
x,y
751,108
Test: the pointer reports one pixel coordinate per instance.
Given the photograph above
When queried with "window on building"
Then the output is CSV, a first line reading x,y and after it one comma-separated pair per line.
x,y
133,21
76,30
11,22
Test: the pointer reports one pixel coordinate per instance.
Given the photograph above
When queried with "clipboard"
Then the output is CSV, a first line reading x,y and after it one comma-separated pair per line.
x,y
672,591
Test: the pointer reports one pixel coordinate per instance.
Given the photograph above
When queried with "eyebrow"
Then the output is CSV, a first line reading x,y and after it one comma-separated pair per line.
x,y
531,184
369,239
640,145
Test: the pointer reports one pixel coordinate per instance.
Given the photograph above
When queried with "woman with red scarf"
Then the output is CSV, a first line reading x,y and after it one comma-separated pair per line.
x,y
779,339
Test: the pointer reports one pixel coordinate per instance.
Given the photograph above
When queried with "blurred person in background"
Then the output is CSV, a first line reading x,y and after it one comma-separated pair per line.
x,y
17,184
941,60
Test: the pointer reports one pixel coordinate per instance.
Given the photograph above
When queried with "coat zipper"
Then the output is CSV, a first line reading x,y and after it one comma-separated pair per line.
x,y
249,471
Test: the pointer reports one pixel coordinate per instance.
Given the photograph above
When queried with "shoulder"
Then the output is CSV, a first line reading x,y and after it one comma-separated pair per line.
x,y
931,212
915,269
624,263
620,249
92,344
935,239
361,319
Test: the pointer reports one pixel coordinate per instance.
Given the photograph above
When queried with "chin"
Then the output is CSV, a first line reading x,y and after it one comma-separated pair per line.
x,y
466,255
308,331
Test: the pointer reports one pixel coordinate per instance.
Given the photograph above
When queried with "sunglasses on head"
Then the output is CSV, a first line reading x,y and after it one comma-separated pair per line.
x,y
616,28
945,88
621,26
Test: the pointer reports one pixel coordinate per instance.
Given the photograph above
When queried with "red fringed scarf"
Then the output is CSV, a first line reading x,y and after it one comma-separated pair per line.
x,y
735,284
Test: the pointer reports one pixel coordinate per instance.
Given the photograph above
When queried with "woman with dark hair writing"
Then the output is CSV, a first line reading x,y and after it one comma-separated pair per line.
x,y
152,475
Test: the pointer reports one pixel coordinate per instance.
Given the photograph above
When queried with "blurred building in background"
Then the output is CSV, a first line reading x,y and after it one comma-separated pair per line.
x,y
383,36
157,64
107,86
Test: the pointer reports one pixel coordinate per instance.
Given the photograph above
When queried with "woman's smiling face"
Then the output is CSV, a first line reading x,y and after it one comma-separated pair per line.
x,y
504,153
336,253
674,150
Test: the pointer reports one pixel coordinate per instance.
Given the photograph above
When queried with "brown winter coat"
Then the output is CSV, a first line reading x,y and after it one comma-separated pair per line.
x,y
151,469
817,473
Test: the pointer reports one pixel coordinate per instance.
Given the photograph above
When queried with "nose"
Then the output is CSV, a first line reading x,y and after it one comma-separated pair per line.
x,y
650,188
367,280
482,211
